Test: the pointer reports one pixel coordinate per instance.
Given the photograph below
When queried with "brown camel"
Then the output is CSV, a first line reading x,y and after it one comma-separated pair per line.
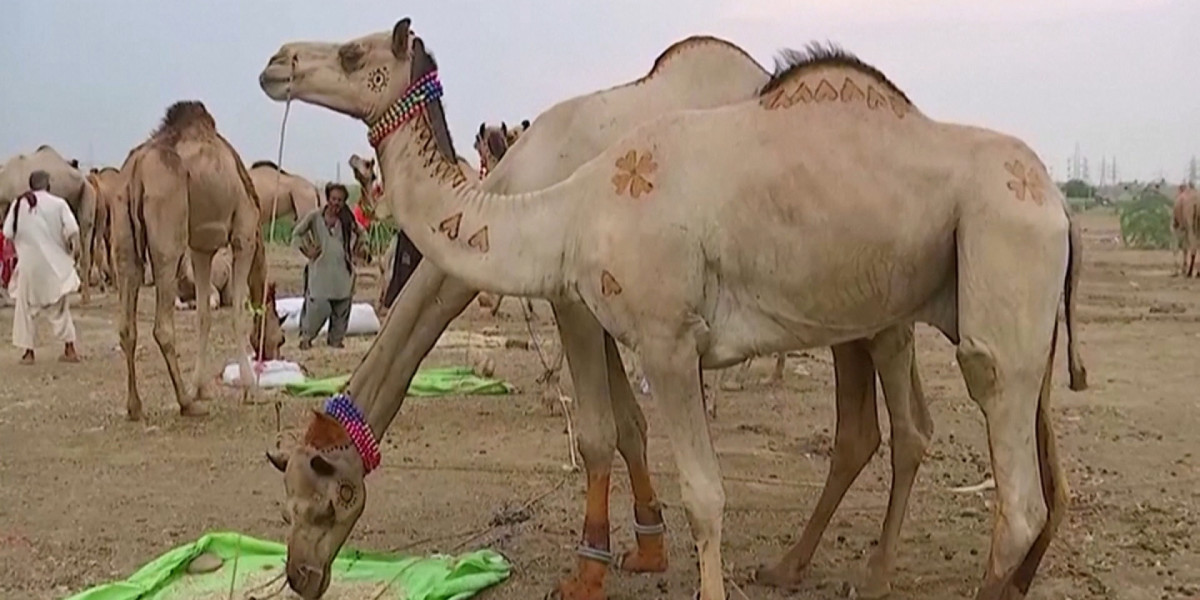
x,y
107,184
1185,224
291,195
187,192
703,195
67,182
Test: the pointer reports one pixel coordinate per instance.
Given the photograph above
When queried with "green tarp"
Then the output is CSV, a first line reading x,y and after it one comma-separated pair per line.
x,y
441,381
259,561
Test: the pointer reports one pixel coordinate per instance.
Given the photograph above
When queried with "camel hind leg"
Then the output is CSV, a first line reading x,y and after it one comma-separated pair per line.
x,y
202,280
129,283
166,263
1006,333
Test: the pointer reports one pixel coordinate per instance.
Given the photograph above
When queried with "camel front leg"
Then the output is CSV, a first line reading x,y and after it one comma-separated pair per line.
x,y
672,364
894,354
583,342
202,280
650,556
855,442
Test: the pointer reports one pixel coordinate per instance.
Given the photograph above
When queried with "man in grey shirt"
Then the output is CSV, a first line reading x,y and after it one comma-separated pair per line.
x,y
325,236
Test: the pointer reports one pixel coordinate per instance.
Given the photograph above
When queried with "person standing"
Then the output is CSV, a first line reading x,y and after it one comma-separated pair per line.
x,y
325,236
46,237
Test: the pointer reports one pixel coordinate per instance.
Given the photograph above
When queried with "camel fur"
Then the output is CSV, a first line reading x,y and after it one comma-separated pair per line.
x,y
1185,225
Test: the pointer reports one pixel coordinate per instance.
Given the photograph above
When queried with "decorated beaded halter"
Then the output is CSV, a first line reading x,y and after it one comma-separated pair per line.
x,y
342,409
411,103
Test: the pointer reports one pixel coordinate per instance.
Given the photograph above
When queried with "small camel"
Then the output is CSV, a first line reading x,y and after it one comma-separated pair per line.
x,y
675,239
288,195
67,182
1185,224
188,192
220,285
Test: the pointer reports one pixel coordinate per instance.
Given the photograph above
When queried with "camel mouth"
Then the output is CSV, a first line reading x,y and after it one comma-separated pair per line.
x,y
274,85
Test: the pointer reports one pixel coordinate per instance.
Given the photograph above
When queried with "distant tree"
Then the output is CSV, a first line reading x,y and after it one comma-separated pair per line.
x,y
1078,188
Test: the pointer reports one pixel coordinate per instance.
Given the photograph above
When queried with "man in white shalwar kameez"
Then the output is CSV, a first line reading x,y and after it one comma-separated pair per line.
x,y
46,236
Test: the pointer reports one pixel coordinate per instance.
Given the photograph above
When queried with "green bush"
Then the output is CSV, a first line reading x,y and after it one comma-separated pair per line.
x,y
279,232
1077,188
1146,221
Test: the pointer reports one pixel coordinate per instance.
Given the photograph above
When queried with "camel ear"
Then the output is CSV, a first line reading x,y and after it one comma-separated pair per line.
x,y
482,129
400,35
525,123
504,128
278,459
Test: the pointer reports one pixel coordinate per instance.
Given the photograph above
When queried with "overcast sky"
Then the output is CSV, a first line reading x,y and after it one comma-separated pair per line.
x,y
92,77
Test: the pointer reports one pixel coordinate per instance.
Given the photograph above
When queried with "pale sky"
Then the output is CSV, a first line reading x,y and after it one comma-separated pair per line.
x,y
93,77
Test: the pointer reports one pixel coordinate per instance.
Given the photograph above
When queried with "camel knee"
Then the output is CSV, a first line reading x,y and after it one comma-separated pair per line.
x,y
854,445
165,336
596,445
704,504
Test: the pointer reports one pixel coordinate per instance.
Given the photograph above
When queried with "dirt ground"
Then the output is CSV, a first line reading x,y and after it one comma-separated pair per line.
x,y
87,497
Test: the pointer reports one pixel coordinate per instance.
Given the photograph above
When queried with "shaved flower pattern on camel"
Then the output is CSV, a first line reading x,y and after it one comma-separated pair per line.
x,y
1025,181
633,174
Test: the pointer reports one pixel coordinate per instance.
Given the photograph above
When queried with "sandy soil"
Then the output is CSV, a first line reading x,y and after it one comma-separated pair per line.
x,y
87,497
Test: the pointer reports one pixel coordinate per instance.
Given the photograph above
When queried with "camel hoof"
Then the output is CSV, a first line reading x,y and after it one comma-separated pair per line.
x,y
575,589
778,576
635,561
193,410
875,589
133,415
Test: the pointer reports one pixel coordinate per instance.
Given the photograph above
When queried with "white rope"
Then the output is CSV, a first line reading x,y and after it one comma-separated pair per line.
x,y
287,108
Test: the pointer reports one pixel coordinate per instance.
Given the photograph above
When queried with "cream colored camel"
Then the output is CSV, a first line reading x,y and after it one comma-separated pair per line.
x,y
187,191
220,284
66,181
737,208
1185,224
710,72
291,195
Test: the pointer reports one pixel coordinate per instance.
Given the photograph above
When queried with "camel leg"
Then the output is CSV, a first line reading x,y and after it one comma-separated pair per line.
x,y
165,267
894,354
672,364
583,340
776,377
855,441
202,280
243,255
87,222
1004,366
648,525
128,286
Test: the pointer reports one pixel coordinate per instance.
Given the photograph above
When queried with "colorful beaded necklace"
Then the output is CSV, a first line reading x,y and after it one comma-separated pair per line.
x,y
342,409
411,103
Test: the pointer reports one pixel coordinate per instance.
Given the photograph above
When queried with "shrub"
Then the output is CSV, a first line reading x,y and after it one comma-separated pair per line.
x,y
1146,221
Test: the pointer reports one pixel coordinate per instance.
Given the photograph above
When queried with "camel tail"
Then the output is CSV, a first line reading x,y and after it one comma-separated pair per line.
x,y
135,212
1078,372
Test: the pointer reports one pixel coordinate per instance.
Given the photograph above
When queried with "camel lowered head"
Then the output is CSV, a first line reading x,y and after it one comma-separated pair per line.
x,y
272,338
361,78
323,478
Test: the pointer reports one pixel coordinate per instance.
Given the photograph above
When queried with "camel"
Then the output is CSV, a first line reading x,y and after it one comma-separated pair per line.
x,y
187,190
290,196
220,285
66,181
592,299
1185,224
106,182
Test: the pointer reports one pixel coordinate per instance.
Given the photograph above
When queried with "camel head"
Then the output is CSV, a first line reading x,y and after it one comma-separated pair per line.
x,y
323,478
269,319
361,78
368,182
492,142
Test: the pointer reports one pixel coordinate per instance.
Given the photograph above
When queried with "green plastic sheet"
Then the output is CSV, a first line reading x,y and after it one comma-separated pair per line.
x,y
411,578
440,381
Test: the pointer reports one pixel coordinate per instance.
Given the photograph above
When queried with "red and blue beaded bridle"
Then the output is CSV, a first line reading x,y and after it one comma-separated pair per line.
x,y
343,410
411,103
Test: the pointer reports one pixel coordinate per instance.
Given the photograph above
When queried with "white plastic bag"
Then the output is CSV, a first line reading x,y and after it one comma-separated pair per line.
x,y
363,320
274,373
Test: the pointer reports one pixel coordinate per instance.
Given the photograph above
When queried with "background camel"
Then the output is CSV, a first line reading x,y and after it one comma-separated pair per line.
x,y
1005,236
1185,224
107,184
189,193
291,195
65,181
491,143
702,72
